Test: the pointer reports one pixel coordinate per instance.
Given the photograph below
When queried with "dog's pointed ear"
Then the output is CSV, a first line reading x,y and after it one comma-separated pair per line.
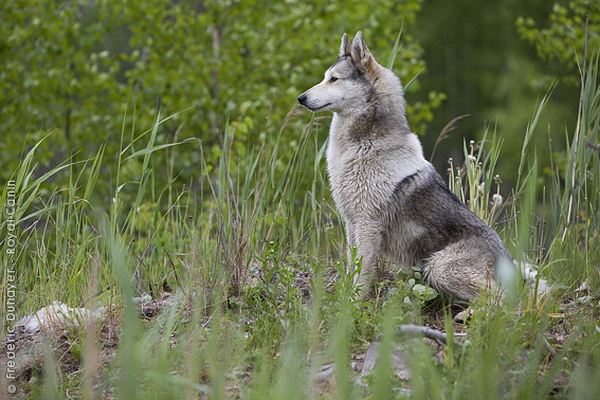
x,y
345,47
360,53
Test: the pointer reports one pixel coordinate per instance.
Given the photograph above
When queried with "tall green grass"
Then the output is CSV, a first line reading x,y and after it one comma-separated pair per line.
x,y
238,324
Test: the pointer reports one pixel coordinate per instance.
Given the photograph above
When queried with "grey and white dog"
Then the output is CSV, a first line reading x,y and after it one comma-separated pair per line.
x,y
392,200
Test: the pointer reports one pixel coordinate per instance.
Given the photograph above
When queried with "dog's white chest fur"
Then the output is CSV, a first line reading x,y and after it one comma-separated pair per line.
x,y
363,173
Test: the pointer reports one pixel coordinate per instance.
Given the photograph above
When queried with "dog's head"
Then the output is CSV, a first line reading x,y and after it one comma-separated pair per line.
x,y
348,83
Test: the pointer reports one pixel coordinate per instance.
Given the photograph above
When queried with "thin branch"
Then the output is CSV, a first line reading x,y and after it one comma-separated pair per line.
x,y
415,330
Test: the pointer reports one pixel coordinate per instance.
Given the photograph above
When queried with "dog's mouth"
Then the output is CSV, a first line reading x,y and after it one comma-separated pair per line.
x,y
317,109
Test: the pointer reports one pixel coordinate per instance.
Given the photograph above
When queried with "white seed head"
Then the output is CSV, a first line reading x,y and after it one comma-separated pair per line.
x,y
497,199
481,188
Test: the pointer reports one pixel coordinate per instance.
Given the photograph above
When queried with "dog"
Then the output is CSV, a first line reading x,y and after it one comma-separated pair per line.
x,y
392,200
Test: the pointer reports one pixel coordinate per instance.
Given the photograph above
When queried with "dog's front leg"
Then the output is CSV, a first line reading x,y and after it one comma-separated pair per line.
x,y
364,249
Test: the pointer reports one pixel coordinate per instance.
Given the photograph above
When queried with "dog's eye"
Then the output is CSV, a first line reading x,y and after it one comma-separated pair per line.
x,y
333,79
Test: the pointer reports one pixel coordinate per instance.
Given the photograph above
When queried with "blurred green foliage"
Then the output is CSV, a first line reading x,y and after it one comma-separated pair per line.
x,y
95,71
484,57
563,40
87,70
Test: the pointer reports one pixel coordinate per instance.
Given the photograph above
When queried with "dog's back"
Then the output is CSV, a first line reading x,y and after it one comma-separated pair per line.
x,y
392,200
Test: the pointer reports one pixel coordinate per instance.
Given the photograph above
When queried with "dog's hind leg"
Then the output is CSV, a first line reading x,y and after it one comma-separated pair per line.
x,y
459,271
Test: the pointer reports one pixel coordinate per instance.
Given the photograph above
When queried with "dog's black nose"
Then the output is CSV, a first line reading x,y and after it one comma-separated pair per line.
x,y
302,98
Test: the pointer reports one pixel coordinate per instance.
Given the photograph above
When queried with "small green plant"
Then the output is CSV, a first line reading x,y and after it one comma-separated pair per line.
x,y
474,182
